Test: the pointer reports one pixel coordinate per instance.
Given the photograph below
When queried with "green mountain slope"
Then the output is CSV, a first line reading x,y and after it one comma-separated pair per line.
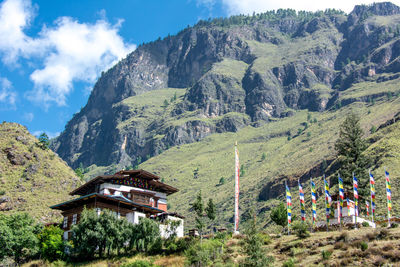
x,y
31,179
300,157
279,83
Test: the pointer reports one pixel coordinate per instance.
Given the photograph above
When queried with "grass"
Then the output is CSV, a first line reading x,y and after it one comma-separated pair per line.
x,y
35,192
214,157
321,248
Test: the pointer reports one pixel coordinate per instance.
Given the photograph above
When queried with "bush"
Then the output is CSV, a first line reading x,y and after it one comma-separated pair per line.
x,y
301,230
365,224
384,224
139,263
343,237
364,246
289,263
18,237
266,239
394,225
326,254
279,215
205,253
51,243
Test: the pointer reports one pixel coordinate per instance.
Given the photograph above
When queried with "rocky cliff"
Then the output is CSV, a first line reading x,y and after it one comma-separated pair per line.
x,y
225,74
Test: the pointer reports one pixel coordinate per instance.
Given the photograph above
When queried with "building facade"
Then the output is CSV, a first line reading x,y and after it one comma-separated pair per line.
x,y
131,194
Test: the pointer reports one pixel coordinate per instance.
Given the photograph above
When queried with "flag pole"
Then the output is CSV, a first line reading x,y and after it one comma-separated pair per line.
x,y
340,205
388,189
237,173
326,215
355,201
370,186
287,209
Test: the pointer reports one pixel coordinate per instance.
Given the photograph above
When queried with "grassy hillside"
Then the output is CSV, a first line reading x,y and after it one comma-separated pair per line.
x,y
292,146
31,179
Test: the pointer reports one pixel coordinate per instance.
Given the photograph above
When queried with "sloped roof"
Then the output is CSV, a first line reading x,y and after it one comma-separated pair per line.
x,y
152,179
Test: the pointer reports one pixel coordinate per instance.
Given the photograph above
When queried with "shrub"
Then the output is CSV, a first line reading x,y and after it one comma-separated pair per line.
x,y
279,215
364,246
384,224
18,237
51,243
365,224
343,237
326,254
139,263
383,234
301,230
289,263
2,192
394,225
205,253
266,239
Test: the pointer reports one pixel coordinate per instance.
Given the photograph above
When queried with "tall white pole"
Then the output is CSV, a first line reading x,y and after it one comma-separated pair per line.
x,y
237,173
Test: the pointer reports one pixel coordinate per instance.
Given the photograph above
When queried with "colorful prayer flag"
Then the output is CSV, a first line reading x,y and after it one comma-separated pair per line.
x,y
372,184
348,206
314,202
289,204
341,194
327,201
355,191
237,174
388,194
367,207
302,203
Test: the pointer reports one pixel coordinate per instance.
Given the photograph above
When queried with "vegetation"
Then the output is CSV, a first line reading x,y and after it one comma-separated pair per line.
x,y
18,237
301,229
51,243
350,147
253,247
279,215
44,141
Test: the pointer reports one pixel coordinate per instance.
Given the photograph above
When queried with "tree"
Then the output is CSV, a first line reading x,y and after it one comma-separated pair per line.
x,y
350,147
51,243
263,156
279,215
44,141
253,246
210,210
198,208
144,235
18,237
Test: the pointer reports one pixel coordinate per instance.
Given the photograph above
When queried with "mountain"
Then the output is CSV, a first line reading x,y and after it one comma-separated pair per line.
x,y
31,178
279,83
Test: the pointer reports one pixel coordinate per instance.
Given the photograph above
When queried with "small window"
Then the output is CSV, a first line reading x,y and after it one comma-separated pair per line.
x,y
65,223
74,217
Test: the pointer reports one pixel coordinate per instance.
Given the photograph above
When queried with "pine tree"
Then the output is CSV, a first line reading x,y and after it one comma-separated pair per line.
x,y
350,147
253,247
198,208
44,141
210,210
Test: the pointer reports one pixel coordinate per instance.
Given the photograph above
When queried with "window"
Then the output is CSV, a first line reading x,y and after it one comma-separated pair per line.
x,y
74,217
65,223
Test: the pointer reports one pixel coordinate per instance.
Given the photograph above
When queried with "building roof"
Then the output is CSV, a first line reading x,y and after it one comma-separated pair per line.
x,y
115,199
152,179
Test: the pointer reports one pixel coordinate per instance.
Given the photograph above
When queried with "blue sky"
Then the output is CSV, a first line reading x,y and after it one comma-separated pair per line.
x,y
52,52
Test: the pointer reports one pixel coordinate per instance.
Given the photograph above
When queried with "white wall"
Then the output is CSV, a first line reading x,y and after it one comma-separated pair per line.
x,y
164,227
133,217
124,188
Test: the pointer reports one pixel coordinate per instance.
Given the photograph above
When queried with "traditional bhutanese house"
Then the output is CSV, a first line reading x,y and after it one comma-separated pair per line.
x,y
131,194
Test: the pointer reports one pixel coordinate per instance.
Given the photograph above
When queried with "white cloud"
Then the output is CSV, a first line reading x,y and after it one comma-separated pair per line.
x,y
28,116
7,94
249,6
68,51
